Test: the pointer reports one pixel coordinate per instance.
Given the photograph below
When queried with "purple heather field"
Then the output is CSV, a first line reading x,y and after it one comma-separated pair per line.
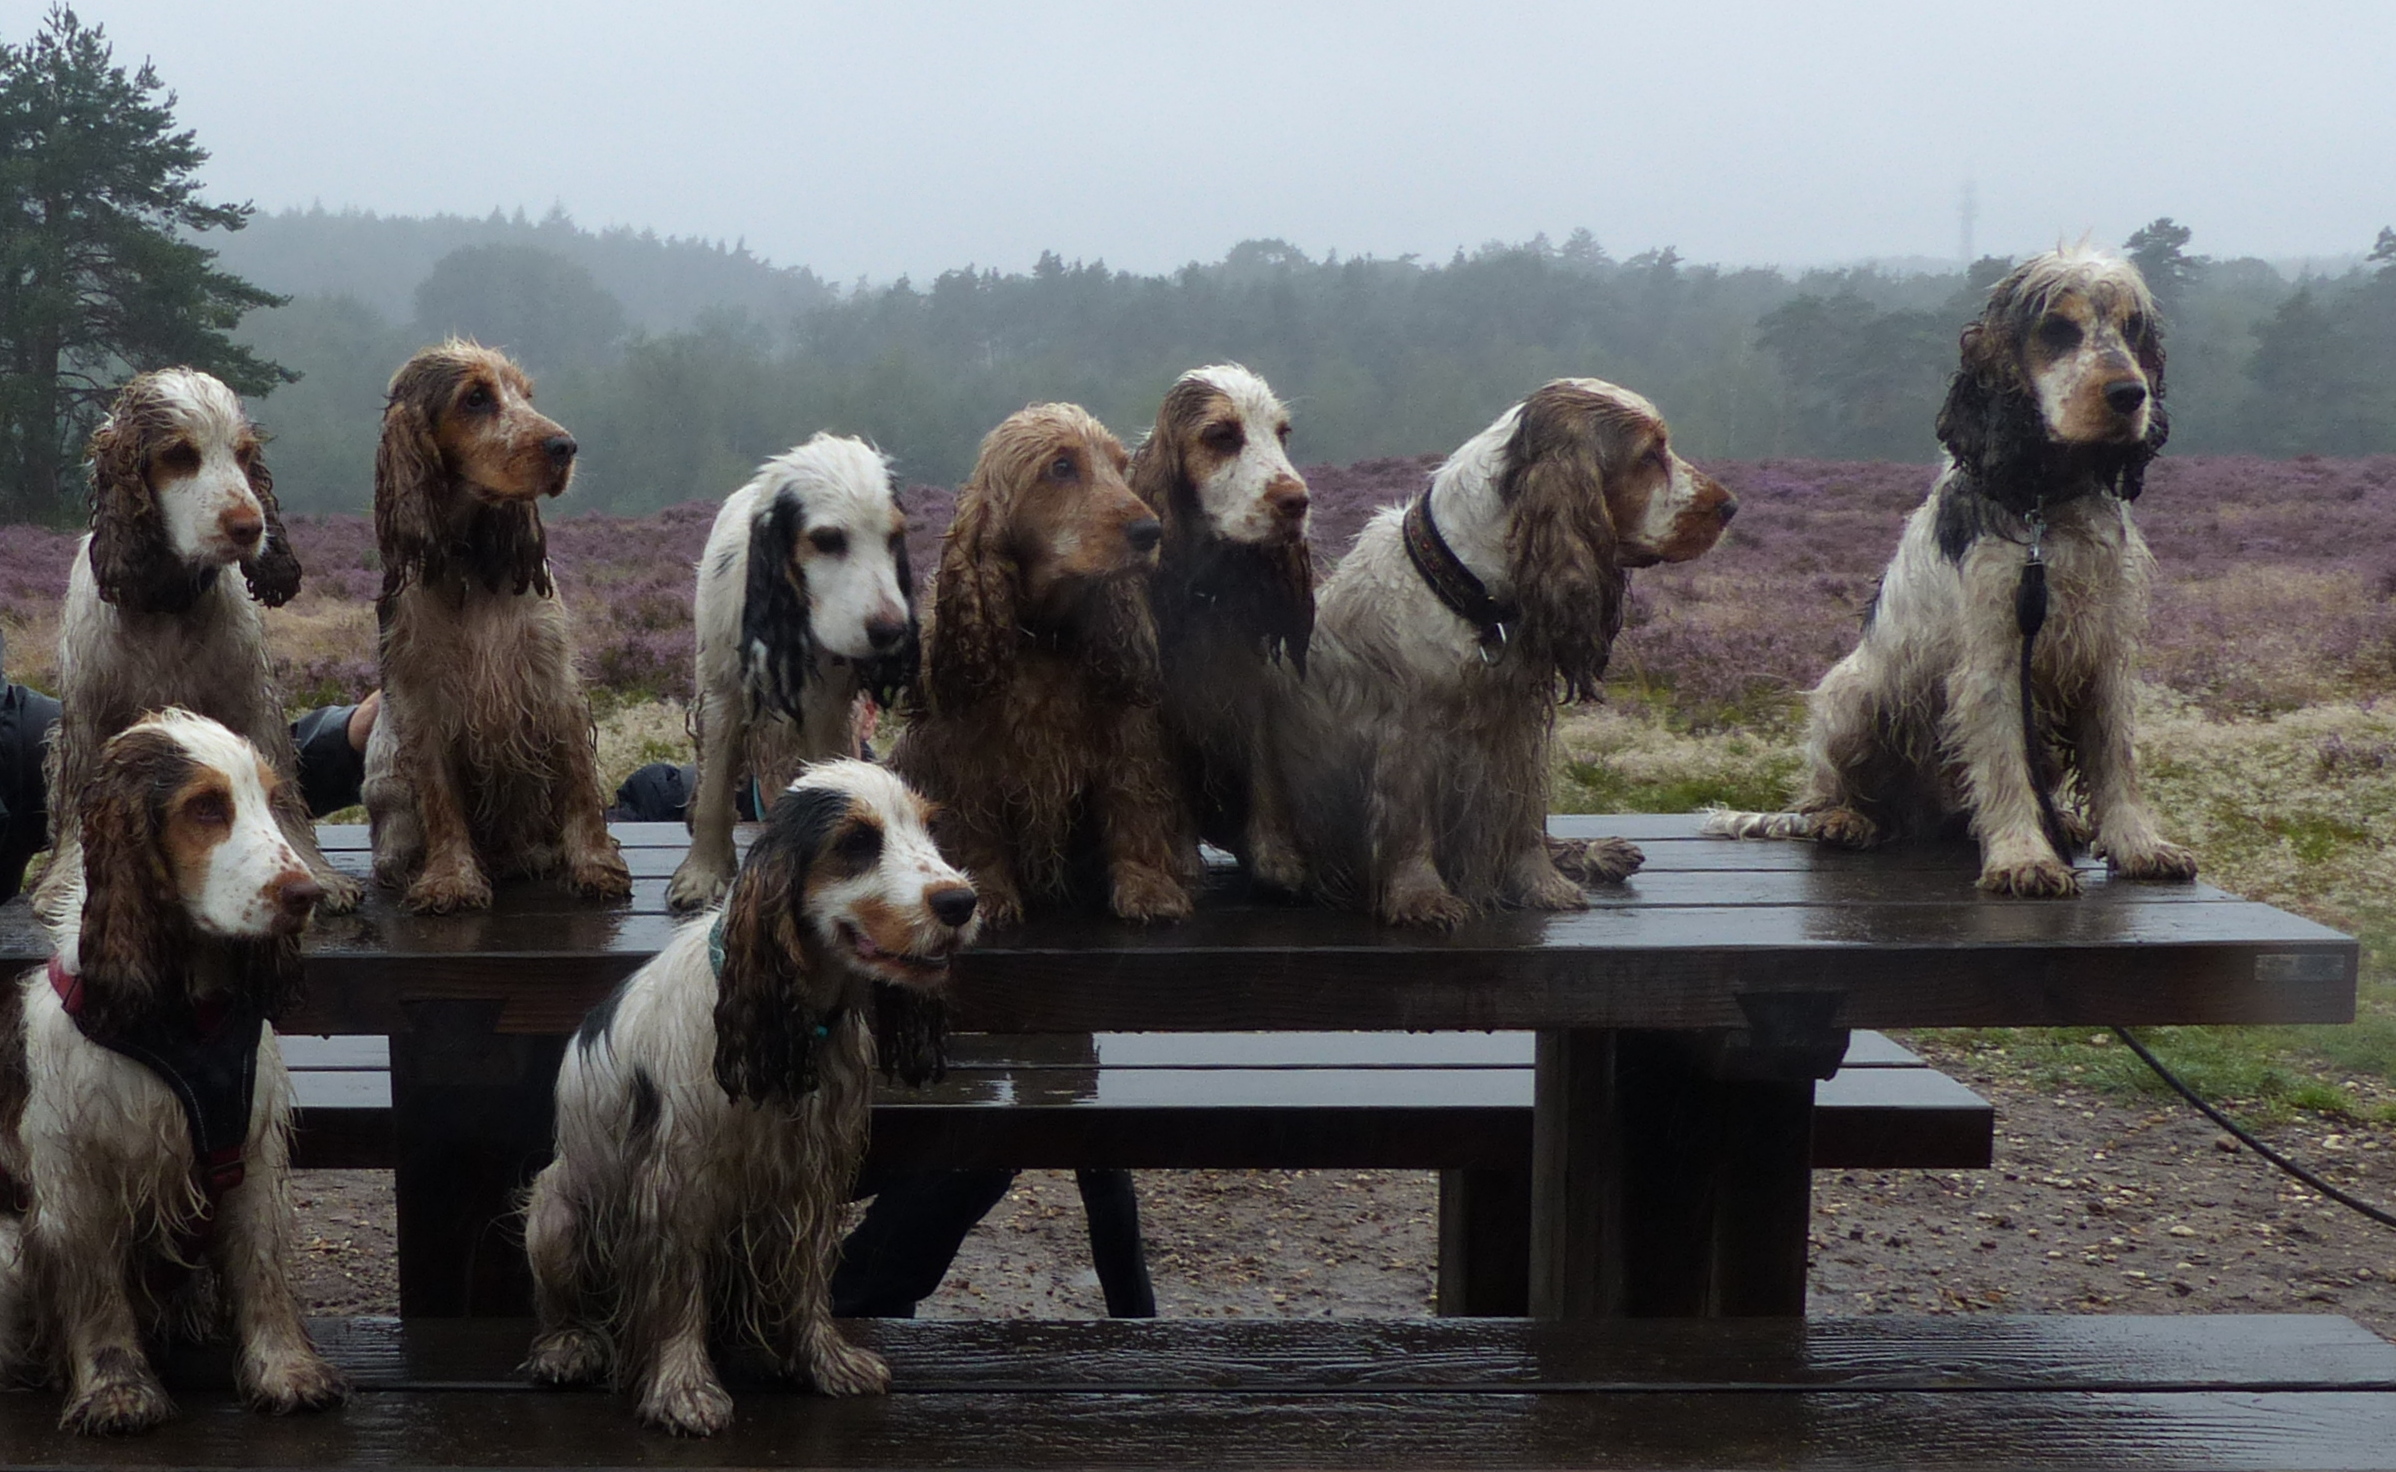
x,y
2275,588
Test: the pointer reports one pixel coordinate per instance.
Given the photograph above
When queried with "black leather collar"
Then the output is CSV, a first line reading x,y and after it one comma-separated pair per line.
x,y
1452,582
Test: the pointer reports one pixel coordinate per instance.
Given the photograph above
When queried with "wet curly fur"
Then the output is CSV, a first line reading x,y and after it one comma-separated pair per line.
x,y
482,764
711,1119
1416,752
2056,408
1037,724
180,491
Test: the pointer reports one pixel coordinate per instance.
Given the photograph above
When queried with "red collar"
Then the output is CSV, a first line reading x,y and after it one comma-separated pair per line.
x,y
210,1013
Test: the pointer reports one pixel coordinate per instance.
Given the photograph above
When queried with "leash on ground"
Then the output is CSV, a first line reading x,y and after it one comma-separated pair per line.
x,y
2247,1139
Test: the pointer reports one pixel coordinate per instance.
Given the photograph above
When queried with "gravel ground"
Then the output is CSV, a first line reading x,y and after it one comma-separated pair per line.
x,y
2095,1205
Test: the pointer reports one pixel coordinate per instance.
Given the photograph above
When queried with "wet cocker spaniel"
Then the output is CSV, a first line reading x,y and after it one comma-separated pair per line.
x,y
2049,426
1416,750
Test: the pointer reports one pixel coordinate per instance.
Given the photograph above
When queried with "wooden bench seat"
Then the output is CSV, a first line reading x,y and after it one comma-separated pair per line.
x,y
1951,1391
1420,1101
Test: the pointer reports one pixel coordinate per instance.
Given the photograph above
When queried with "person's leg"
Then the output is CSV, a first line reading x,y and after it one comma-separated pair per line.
x,y
1113,1211
900,1252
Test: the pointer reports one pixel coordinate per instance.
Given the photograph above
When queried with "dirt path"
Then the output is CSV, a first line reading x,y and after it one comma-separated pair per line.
x,y
2095,1206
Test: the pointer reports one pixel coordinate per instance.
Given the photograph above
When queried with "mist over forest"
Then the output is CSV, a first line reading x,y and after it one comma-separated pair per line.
x,y
681,363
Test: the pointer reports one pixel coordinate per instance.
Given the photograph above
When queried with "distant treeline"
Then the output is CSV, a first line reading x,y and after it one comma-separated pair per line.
x,y
680,364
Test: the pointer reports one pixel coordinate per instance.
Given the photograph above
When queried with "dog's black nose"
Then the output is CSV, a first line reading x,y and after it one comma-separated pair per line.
x,y
885,634
953,903
560,447
1144,534
1727,510
2124,395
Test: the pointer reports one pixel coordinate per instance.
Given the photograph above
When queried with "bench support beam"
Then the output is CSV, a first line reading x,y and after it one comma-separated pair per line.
x,y
1668,1178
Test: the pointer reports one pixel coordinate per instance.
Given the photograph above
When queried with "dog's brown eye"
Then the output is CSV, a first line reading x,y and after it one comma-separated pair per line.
x,y
209,809
1225,438
1061,468
1281,432
829,540
2058,333
180,458
2135,328
859,846
477,398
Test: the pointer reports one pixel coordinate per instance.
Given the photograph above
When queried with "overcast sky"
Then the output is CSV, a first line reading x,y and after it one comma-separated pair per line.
x,y
881,138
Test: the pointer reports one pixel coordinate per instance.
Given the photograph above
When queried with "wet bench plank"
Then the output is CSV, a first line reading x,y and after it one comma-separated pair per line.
x,y
1232,1101
1953,1392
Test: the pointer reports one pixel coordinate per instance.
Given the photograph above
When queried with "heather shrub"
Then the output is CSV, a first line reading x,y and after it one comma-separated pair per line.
x,y
2274,592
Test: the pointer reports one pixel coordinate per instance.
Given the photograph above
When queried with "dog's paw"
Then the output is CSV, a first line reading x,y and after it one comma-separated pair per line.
x,y
1425,909
570,1356
688,1405
1596,860
445,892
341,893
600,876
836,1367
1276,864
2030,879
117,1408
1141,894
281,1384
2163,861
1846,828
695,886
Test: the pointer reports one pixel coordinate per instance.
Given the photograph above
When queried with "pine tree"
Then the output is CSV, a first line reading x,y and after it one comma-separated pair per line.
x,y
98,276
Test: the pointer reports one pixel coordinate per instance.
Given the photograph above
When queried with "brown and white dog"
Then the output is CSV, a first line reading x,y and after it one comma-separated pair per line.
x,y
144,1110
1038,730
2049,426
482,764
1416,749
181,498
712,1114
1234,592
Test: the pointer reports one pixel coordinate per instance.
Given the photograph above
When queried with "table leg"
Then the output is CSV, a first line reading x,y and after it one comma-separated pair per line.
x,y
472,1119
1667,1178
1484,1243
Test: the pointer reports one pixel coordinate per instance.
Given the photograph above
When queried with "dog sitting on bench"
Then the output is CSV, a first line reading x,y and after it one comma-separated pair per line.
x,y
712,1113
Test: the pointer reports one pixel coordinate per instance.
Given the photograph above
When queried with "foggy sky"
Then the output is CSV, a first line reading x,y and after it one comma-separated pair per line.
x,y
883,138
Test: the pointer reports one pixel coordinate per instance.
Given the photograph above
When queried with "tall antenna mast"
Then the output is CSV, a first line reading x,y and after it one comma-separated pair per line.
x,y
1967,210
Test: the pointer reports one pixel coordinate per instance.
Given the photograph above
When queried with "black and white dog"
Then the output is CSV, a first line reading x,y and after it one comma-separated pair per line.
x,y
711,1115
2049,426
804,602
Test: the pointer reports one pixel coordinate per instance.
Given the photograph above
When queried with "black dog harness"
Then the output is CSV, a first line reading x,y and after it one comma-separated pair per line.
x,y
1453,583
213,1071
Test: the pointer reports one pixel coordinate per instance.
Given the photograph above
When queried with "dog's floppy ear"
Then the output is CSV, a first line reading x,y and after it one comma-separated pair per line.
x,y
977,597
1562,550
1118,641
1991,422
777,636
407,476
133,930
274,572
131,561
2147,344
910,1034
765,1010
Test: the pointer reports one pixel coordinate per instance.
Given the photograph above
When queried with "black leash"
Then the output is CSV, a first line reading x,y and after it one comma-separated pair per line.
x,y
2245,1138
2030,615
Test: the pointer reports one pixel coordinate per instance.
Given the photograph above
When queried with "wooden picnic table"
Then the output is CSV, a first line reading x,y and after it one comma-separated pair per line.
x,y
1682,1022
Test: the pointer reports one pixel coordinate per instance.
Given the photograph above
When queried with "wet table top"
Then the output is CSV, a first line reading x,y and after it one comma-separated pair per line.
x,y
1897,937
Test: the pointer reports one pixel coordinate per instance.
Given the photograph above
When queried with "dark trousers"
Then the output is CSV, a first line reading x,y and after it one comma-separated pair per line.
x,y
900,1252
